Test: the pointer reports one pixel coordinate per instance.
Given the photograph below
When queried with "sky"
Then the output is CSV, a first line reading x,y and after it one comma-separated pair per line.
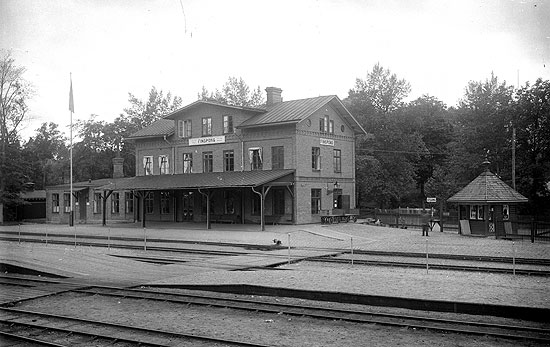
x,y
307,48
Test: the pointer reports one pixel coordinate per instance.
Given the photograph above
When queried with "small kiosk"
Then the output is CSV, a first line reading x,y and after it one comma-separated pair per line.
x,y
487,206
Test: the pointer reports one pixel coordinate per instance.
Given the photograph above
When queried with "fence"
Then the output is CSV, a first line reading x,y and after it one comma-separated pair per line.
x,y
409,217
526,229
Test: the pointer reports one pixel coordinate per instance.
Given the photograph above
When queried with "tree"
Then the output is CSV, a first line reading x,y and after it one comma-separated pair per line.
x,y
428,118
531,118
382,90
47,154
234,92
376,102
15,91
483,124
142,114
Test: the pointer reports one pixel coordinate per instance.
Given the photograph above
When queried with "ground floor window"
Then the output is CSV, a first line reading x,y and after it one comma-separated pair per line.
x,y
256,205
55,203
97,203
315,201
229,202
129,202
67,202
164,202
115,203
149,203
278,201
477,212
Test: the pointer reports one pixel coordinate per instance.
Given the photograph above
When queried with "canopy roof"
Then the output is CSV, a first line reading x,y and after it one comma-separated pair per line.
x,y
487,188
204,180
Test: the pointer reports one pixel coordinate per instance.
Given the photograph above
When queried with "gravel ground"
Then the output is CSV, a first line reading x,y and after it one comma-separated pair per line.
x,y
275,329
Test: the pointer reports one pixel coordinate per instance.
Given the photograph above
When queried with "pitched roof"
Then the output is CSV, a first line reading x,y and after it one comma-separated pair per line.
x,y
487,188
197,103
285,112
77,186
201,180
295,111
161,127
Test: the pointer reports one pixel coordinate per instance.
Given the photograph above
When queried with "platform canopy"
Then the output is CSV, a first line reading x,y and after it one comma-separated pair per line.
x,y
235,179
487,188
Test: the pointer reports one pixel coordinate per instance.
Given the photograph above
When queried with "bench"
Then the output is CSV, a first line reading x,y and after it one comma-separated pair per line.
x,y
337,216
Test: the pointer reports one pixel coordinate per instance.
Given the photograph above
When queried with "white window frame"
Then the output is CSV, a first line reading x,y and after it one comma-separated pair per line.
x,y
147,165
251,156
187,164
164,165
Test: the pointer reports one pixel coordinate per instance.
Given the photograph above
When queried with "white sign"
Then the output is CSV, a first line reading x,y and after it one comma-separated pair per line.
x,y
206,140
327,142
431,199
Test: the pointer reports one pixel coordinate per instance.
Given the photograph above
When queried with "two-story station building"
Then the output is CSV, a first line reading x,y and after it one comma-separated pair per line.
x,y
282,163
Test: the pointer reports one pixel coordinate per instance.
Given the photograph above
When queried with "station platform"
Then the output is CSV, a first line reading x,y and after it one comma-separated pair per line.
x,y
101,265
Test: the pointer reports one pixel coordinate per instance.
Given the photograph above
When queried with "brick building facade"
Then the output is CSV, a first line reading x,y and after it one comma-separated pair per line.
x,y
281,163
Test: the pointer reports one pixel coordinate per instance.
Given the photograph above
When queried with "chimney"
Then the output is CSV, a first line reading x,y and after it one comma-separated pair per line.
x,y
118,167
273,95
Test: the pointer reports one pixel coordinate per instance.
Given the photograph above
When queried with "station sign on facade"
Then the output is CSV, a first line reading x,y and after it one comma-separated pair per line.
x,y
326,142
206,140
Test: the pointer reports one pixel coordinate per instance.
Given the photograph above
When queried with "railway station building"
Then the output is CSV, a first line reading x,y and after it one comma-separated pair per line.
x,y
284,162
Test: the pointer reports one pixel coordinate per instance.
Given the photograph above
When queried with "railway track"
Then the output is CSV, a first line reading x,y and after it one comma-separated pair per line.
x,y
132,243
506,331
59,330
433,266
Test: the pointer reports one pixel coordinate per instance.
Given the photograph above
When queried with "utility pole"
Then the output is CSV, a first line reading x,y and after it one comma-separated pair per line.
x,y
514,158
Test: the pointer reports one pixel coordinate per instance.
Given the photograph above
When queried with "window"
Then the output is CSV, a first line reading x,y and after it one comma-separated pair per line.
x,y
324,124
228,161
331,127
184,128
229,202
256,205
55,203
163,165
277,157
129,202
227,124
67,202
316,158
337,160
477,212
255,158
207,162
278,201
315,201
480,212
164,202
148,165
187,162
115,203
505,212
149,203
97,203
207,127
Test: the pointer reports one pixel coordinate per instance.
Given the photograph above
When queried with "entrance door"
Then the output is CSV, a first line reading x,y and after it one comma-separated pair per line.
x,y
188,204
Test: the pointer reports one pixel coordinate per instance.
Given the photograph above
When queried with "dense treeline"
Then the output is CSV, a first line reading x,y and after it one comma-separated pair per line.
x,y
416,149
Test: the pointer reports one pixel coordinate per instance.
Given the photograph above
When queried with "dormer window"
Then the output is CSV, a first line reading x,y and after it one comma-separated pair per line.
x,y
227,124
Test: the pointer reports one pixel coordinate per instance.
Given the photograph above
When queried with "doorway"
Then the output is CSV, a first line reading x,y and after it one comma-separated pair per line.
x,y
188,205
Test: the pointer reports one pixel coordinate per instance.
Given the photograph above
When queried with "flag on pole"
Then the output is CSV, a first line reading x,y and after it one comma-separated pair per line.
x,y
71,101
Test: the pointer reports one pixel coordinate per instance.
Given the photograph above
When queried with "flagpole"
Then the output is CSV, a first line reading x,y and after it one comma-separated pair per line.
x,y
71,108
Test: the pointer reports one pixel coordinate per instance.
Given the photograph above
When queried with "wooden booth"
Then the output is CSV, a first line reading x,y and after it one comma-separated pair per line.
x,y
487,206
